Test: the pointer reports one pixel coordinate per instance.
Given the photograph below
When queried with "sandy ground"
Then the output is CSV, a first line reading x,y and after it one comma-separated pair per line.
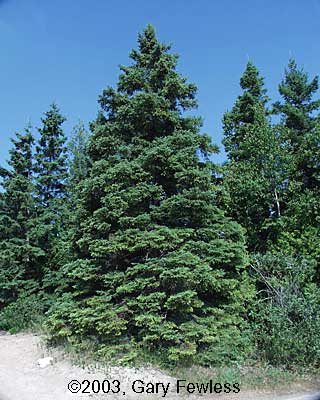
x,y
21,377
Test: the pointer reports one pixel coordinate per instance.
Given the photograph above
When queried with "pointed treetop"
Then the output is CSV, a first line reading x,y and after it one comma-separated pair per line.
x,y
148,35
251,82
21,152
51,156
148,42
155,85
53,117
20,161
249,109
296,88
153,64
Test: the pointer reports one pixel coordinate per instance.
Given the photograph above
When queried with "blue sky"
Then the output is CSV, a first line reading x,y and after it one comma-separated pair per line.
x,y
67,51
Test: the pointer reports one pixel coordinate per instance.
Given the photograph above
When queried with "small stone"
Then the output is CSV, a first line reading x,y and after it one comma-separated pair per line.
x,y
44,362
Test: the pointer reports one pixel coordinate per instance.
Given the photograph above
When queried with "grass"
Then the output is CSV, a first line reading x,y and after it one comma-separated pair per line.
x,y
251,377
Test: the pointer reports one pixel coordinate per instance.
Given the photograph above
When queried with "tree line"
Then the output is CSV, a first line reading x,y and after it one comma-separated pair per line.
x,y
131,239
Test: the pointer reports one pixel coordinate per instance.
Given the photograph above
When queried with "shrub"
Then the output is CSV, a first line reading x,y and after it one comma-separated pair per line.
x,y
286,315
26,312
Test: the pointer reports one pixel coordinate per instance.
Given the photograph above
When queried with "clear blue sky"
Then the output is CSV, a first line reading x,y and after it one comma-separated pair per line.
x,y
67,51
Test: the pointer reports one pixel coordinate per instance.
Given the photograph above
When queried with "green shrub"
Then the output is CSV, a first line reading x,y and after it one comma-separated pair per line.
x,y
22,314
286,316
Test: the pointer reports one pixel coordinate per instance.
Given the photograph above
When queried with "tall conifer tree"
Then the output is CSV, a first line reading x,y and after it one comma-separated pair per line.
x,y
300,133
255,171
247,110
51,158
160,267
51,188
79,161
299,117
18,248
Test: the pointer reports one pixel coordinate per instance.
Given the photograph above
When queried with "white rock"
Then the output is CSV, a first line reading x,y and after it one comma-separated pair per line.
x,y
44,362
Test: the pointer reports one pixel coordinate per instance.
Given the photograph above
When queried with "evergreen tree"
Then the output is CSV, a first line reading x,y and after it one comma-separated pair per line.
x,y
78,169
79,161
18,248
51,158
299,117
51,190
300,134
255,172
247,110
159,267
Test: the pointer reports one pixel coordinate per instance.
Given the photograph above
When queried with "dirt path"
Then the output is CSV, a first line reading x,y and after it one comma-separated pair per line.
x,y
21,377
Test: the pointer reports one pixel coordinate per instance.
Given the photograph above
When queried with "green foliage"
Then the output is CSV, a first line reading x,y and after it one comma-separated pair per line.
x,y
51,158
79,161
271,183
159,264
25,313
51,195
245,112
18,248
299,123
300,135
286,317
257,167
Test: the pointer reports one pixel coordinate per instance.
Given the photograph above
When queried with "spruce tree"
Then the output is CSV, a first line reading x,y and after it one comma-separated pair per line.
x,y
79,161
299,117
159,268
51,158
255,172
18,248
300,135
51,190
247,110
